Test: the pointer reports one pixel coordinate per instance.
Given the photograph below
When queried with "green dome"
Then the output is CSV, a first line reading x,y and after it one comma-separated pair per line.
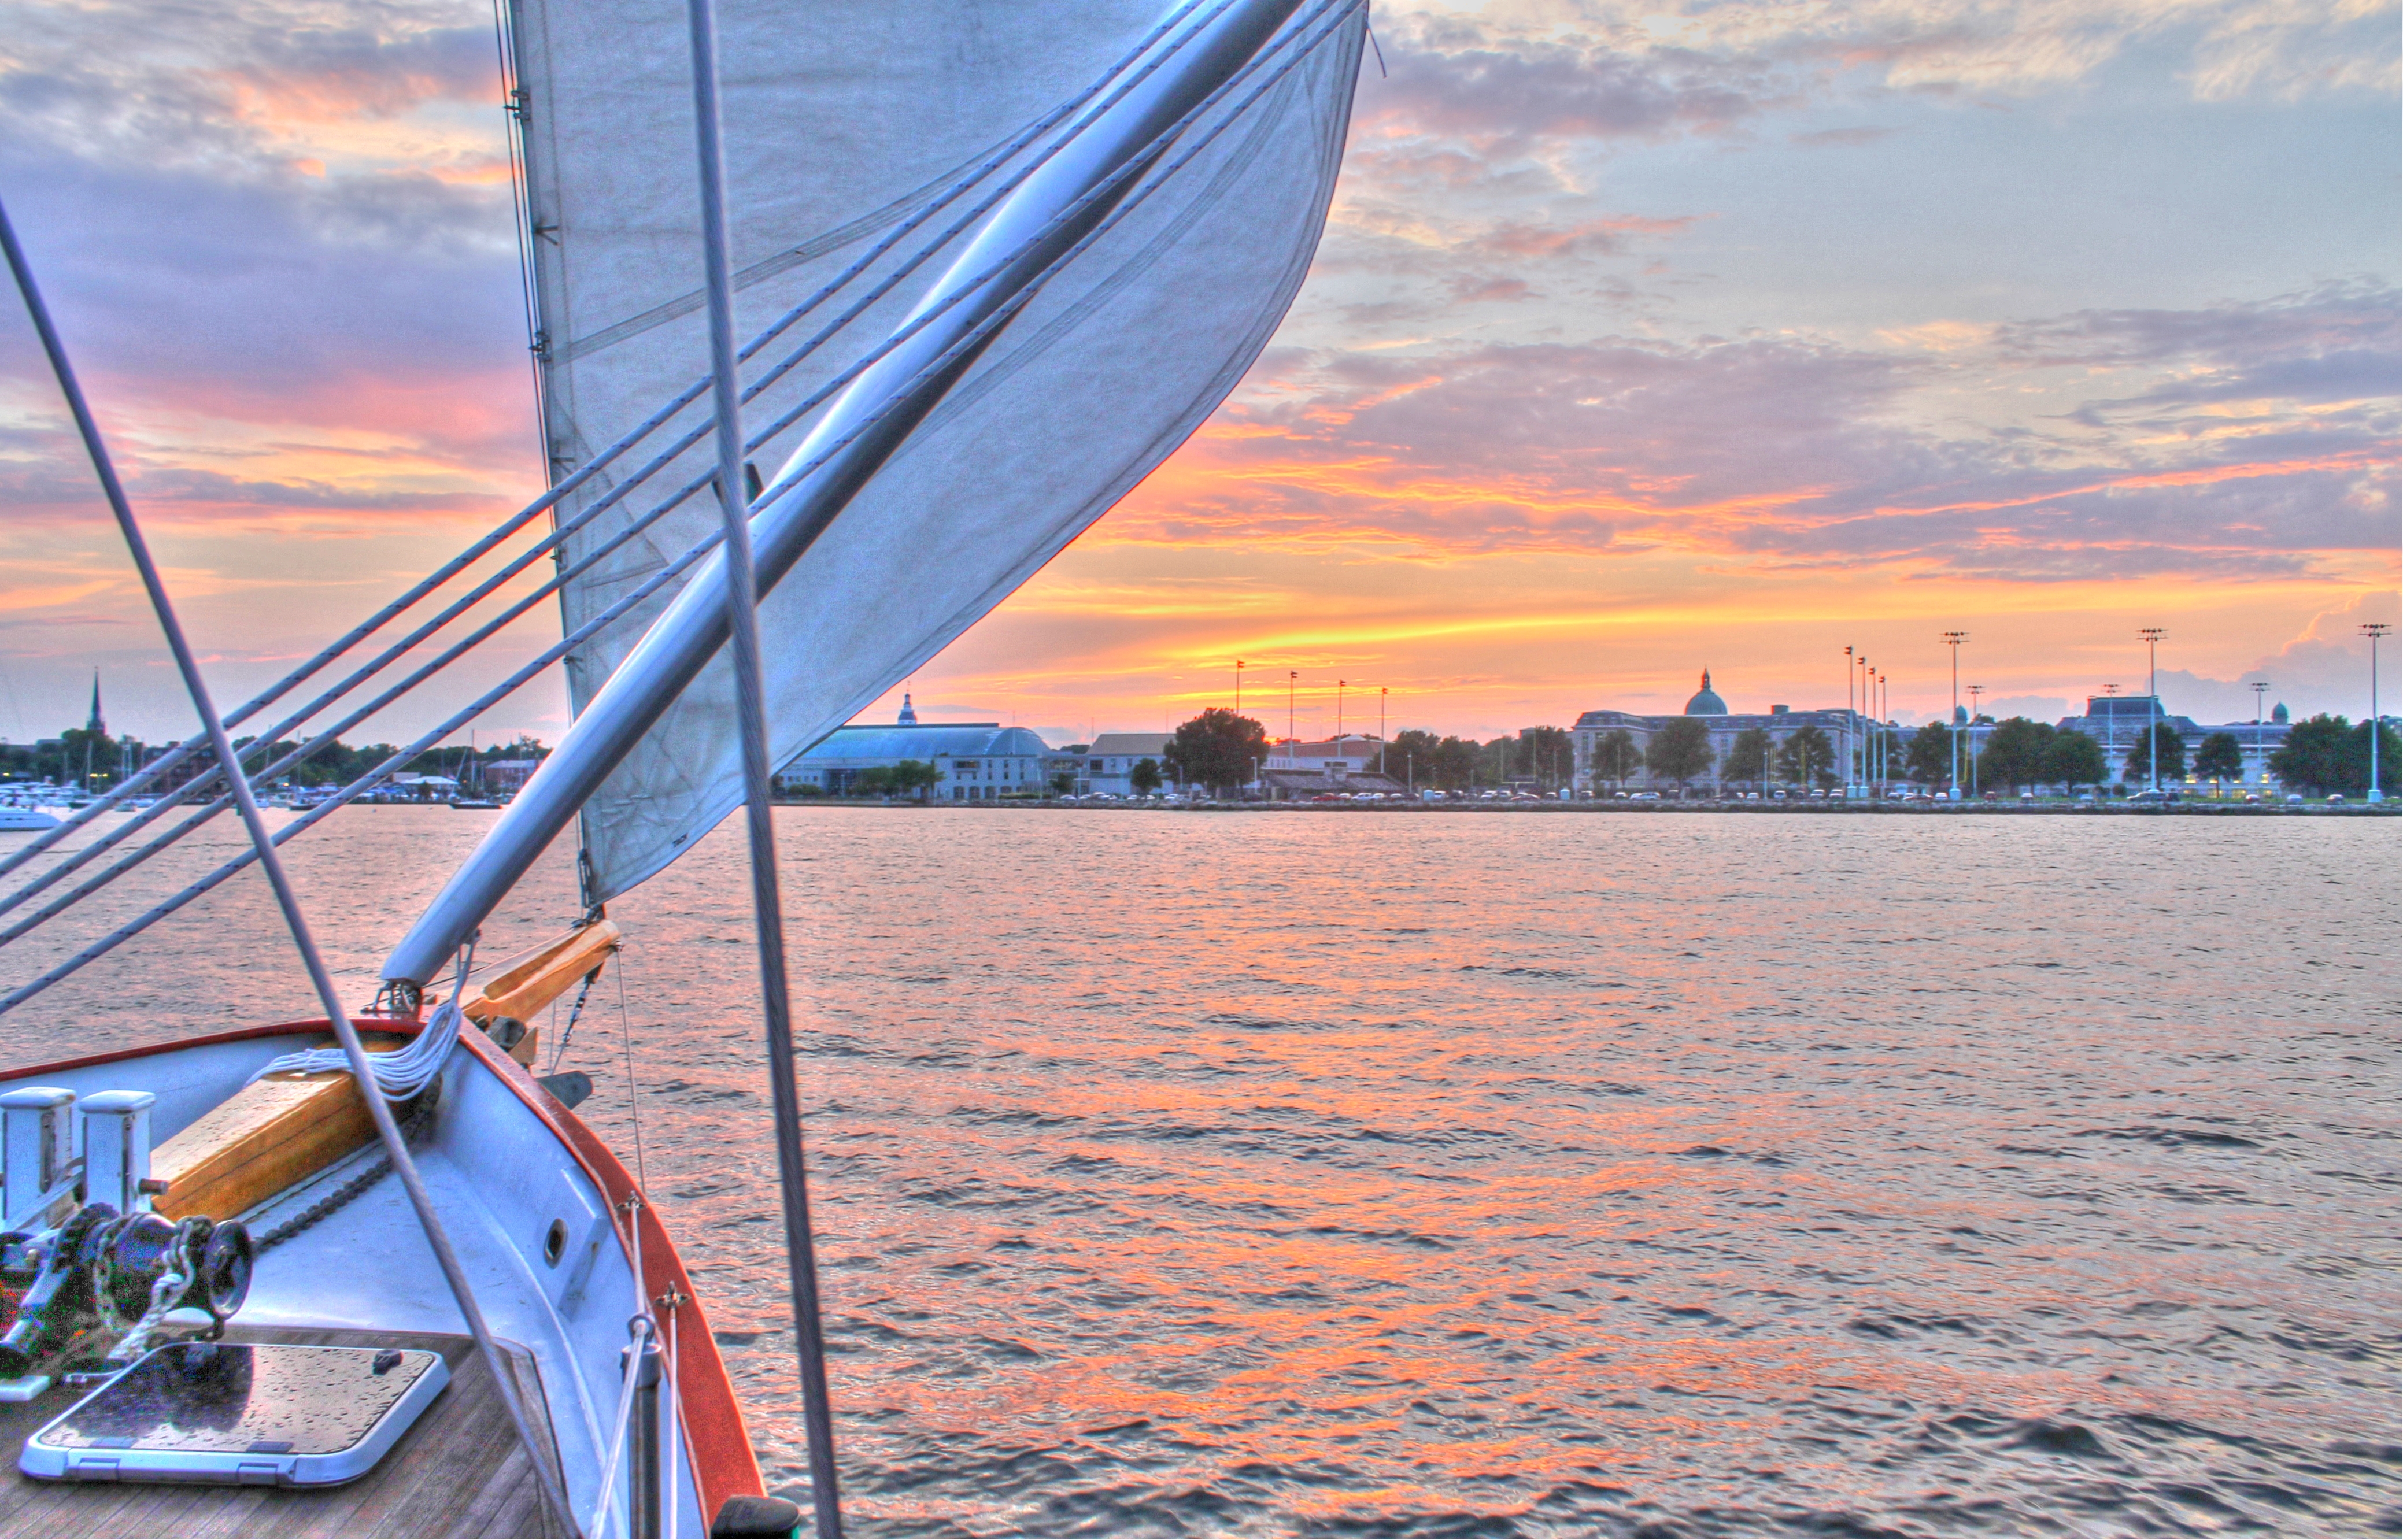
x,y
1706,702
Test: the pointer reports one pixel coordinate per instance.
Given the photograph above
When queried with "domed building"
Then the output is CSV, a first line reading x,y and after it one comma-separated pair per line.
x,y
1845,730
974,761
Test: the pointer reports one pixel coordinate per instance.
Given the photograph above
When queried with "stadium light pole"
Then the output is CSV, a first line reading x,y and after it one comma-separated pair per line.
x,y
1339,684
2152,635
1239,687
2374,630
1885,737
1954,639
1868,726
1849,715
1292,683
2260,765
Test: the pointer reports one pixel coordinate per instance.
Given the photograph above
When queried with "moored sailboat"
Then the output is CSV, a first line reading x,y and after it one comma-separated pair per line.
x,y
1042,256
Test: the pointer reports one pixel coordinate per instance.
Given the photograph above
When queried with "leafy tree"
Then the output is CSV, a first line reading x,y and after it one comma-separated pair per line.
x,y
1410,757
1680,751
1750,757
1541,754
913,775
1062,784
2016,754
1615,756
1216,750
1927,759
2329,754
2313,756
2141,763
2075,760
1455,767
1807,756
874,780
2218,759
1144,777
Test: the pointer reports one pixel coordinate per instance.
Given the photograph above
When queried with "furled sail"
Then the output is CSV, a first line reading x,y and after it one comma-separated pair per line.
x,y
840,120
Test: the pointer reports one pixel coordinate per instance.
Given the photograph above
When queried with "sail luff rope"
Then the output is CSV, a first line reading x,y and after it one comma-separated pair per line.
x,y
767,900
396,1147
973,339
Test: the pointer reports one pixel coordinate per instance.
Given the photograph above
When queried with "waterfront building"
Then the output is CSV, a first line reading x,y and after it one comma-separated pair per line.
x,y
1841,727
2118,722
1352,751
1298,769
974,761
1109,764
509,775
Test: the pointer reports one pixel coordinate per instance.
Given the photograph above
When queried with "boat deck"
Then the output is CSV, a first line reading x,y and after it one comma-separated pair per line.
x,y
459,1471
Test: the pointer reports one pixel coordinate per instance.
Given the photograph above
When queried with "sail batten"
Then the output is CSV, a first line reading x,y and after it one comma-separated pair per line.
x,y
1132,265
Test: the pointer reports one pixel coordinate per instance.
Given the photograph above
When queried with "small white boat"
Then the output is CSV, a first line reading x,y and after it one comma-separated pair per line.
x,y
18,818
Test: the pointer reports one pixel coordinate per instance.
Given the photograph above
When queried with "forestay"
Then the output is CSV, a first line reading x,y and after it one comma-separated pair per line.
x,y
840,119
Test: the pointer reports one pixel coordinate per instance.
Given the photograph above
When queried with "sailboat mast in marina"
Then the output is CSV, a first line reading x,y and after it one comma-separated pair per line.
x,y
847,319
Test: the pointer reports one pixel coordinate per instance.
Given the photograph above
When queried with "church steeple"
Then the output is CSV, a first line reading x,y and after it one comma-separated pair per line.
x,y
96,726
908,712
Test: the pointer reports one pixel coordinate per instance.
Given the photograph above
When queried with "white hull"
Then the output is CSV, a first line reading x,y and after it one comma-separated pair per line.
x,y
503,1163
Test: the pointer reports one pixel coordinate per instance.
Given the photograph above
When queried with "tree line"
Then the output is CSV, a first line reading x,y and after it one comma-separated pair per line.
x,y
97,761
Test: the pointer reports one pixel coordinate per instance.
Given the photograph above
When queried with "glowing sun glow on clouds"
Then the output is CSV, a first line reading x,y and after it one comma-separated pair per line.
x,y
1641,338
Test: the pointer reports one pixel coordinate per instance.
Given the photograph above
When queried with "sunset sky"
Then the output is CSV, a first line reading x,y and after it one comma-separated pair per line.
x,y
1641,339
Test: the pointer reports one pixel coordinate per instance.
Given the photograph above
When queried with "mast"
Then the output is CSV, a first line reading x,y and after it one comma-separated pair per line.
x,y
1040,222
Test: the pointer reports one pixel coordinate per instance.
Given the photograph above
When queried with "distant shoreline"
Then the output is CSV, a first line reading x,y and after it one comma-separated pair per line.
x,y
1939,810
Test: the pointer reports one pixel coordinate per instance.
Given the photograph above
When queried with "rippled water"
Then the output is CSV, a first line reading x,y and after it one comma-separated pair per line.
x,y
1510,1173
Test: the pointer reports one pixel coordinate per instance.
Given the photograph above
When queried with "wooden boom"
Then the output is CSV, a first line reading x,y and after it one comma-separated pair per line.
x,y
285,1129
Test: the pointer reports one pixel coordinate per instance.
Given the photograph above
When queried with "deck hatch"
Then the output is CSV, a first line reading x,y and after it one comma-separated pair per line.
x,y
242,1414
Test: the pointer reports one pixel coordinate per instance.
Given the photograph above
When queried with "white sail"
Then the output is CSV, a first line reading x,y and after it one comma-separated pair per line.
x,y
841,118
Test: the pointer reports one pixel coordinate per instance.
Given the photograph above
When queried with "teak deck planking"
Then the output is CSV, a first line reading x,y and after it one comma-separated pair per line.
x,y
459,1471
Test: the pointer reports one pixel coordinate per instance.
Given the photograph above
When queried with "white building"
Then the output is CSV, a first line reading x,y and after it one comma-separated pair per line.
x,y
2118,722
974,761
1847,733
1109,764
1354,751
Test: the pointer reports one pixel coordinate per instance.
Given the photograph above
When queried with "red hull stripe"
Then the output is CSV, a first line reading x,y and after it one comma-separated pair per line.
x,y
715,1437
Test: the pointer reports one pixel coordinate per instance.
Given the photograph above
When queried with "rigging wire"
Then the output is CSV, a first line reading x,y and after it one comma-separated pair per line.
x,y
972,339
563,528
331,734
387,1130
743,596
633,1091
159,768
